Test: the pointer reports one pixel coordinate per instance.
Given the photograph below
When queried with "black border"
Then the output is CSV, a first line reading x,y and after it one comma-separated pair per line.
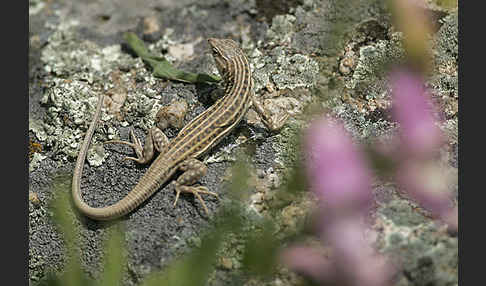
x,y
14,151
463,278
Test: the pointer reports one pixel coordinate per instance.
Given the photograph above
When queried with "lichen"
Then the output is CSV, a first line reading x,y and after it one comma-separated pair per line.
x,y
71,105
79,71
447,41
287,144
286,72
96,155
35,6
428,257
450,128
36,159
282,29
66,54
444,82
37,127
372,59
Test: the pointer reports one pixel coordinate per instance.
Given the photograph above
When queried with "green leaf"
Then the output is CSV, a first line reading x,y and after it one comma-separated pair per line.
x,y
384,166
191,270
162,68
64,219
115,258
238,187
194,268
261,251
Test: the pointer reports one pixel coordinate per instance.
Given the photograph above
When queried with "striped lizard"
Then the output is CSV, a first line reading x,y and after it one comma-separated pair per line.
x,y
196,138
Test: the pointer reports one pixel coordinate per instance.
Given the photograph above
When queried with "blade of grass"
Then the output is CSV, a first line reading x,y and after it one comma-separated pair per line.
x,y
191,270
162,68
115,258
194,268
261,249
62,216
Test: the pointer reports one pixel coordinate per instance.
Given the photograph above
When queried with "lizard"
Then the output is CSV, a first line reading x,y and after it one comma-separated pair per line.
x,y
194,140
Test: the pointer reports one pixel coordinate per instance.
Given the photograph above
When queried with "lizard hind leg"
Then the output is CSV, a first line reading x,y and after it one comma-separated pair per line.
x,y
193,171
270,123
155,139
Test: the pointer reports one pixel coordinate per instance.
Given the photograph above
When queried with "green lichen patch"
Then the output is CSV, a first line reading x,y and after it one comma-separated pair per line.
x,y
444,80
373,58
278,65
282,29
288,145
80,71
66,54
283,79
70,107
402,213
36,159
284,70
447,41
35,6
426,254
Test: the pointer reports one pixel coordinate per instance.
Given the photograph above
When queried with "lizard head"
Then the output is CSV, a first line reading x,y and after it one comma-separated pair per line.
x,y
226,54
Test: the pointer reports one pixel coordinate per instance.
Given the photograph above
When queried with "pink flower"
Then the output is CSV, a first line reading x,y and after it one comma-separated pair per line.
x,y
426,184
355,258
338,175
306,261
353,261
336,170
418,173
412,110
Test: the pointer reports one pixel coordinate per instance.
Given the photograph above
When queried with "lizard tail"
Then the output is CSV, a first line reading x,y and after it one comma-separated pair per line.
x,y
136,196
96,213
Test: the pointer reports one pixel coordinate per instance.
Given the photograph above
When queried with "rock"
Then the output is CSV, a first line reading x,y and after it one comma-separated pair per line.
x,y
226,263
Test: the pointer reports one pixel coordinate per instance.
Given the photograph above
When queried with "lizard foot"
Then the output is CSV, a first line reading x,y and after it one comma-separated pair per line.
x,y
156,140
277,124
195,190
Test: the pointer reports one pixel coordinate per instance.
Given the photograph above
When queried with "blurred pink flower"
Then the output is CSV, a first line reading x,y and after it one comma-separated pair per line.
x,y
421,138
413,111
426,184
353,261
355,258
336,170
338,175
306,261
451,218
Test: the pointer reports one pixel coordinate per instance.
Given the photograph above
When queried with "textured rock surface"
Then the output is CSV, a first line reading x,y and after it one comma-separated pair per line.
x,y
322,53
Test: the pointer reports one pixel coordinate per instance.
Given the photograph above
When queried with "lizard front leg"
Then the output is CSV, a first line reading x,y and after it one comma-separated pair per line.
x,y
156,139
171,115
193,171
266,118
